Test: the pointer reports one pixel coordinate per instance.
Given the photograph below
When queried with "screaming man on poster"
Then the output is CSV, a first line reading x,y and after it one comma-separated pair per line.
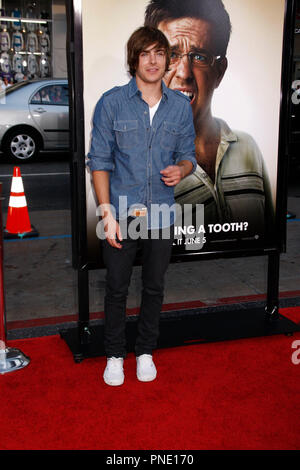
x,y
231,178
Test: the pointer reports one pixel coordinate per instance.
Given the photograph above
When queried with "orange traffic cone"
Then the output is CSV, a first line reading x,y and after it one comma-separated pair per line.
x,y
17,222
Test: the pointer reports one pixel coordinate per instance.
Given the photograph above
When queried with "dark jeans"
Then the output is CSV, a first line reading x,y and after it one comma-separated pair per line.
x,y
119,262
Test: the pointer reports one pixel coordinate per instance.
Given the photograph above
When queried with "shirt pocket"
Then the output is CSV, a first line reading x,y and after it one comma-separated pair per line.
x,y
126,134
170,134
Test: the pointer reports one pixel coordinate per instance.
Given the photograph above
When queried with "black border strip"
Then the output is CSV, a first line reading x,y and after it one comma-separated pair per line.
x,y
76,116
284,123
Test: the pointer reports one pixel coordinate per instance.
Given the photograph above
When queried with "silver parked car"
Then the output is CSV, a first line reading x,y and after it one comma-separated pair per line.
x,y
34,116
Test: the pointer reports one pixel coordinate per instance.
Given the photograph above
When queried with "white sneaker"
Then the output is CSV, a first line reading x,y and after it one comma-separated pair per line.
x,y
146,370
114,373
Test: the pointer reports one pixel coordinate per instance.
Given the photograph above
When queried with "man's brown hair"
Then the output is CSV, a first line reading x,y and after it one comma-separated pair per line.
x,y
142,38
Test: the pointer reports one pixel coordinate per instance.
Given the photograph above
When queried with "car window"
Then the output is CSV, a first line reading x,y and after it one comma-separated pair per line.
x,y
57,95
36,99
46,95
65,95
52,95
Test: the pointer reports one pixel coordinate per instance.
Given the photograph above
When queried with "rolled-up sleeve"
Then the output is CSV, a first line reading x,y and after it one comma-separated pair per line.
x,y
186,145
101,154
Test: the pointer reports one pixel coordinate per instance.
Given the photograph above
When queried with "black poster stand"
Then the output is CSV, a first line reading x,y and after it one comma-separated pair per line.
x,y
188,326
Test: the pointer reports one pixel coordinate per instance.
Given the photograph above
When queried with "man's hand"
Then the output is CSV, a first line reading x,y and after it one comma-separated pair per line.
x,y
112,229
172,174
175,173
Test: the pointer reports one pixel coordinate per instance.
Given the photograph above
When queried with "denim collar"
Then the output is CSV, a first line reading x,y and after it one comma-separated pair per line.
x,y
133,89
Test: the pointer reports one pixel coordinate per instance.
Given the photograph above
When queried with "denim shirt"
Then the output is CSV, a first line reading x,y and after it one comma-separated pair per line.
x,y
124,144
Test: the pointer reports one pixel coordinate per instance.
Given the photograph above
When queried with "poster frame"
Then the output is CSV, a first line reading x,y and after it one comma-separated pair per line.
x,y
78,151
78,184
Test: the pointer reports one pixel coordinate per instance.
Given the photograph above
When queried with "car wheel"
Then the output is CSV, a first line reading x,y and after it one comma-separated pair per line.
x,y
22,145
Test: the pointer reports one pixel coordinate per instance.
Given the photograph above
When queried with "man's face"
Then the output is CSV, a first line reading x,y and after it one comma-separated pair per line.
x,y
152,64
187,35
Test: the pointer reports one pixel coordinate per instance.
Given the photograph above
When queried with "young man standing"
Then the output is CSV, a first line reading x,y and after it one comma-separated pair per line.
x,y
142,146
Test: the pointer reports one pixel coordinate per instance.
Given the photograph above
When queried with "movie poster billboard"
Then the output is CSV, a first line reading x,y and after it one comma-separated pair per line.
x,y
229,202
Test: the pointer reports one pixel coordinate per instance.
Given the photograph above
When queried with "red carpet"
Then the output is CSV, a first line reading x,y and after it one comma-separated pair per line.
x,y
240,394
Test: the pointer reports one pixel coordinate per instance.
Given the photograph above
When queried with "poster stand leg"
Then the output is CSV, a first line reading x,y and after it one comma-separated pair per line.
x,y
80,339
83,306
273,287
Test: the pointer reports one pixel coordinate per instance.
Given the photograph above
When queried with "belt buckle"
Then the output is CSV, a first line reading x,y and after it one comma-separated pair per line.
x,y
140,212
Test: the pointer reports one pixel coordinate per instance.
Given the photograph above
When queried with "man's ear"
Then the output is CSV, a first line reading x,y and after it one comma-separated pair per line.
x,y
221,67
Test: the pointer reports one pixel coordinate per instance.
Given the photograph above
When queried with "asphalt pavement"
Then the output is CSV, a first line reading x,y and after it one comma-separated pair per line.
x,y
46,182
